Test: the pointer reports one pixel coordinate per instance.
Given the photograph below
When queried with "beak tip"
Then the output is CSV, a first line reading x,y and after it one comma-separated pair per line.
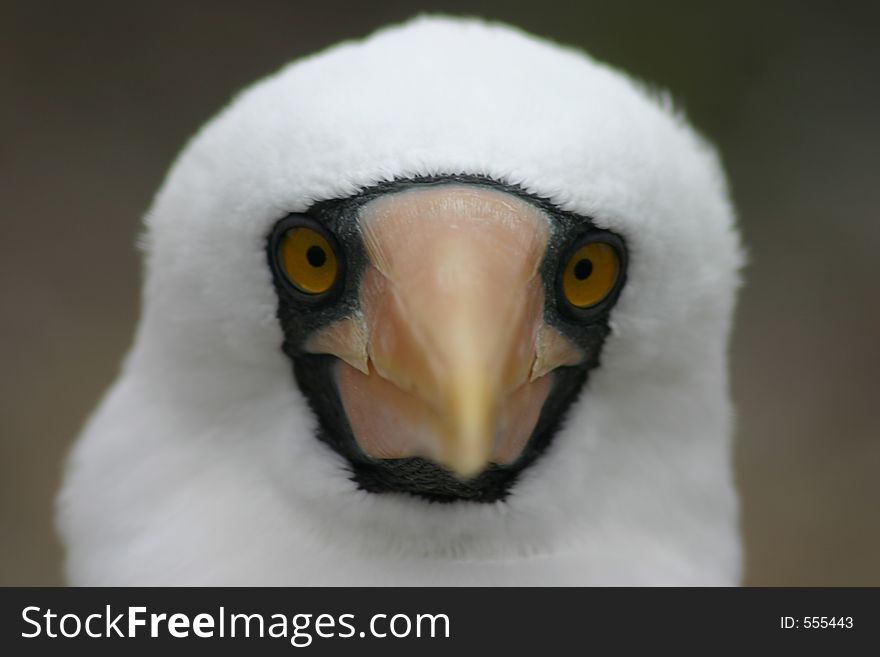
x,y
466,465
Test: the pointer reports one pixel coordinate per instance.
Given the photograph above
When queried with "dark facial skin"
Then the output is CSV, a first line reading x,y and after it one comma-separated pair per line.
x,y
301,315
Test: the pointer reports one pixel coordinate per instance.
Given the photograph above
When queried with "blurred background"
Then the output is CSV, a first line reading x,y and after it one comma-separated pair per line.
x,y
97,98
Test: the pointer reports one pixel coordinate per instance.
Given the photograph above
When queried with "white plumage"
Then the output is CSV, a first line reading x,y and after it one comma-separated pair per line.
x,y
201,467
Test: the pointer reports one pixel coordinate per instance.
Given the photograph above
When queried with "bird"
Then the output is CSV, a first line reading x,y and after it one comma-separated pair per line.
x,y
446,305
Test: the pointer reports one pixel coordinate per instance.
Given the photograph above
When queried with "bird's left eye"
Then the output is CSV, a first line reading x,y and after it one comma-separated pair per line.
x,y
307,256
590,274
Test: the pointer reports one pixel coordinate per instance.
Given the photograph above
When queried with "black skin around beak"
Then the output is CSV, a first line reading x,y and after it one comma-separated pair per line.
x,y
301,317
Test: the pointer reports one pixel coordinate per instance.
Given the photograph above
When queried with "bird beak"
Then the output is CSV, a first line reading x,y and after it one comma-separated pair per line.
x,y
450,347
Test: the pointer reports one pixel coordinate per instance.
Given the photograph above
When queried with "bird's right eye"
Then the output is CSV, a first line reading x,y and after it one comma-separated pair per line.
x,y
307,256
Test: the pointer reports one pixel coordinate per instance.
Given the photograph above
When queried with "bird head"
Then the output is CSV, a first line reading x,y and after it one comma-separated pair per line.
x,y
448,263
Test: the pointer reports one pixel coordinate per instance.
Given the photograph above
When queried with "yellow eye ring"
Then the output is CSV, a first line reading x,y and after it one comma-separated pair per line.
x,y
308,260
590,274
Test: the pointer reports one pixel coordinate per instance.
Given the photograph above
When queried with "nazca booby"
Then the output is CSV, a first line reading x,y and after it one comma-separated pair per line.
x,y
448,305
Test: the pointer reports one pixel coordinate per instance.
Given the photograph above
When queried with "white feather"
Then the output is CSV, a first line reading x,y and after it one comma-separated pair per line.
x,y
200,466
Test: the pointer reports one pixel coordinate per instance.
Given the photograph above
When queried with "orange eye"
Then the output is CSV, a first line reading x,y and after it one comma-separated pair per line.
x,y
308,259
590,274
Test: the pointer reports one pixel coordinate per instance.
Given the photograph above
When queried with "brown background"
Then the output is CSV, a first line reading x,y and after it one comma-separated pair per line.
x,y
98,98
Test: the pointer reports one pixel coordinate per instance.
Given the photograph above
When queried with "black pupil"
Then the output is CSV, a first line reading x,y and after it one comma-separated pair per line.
x,y
316,256
582,269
